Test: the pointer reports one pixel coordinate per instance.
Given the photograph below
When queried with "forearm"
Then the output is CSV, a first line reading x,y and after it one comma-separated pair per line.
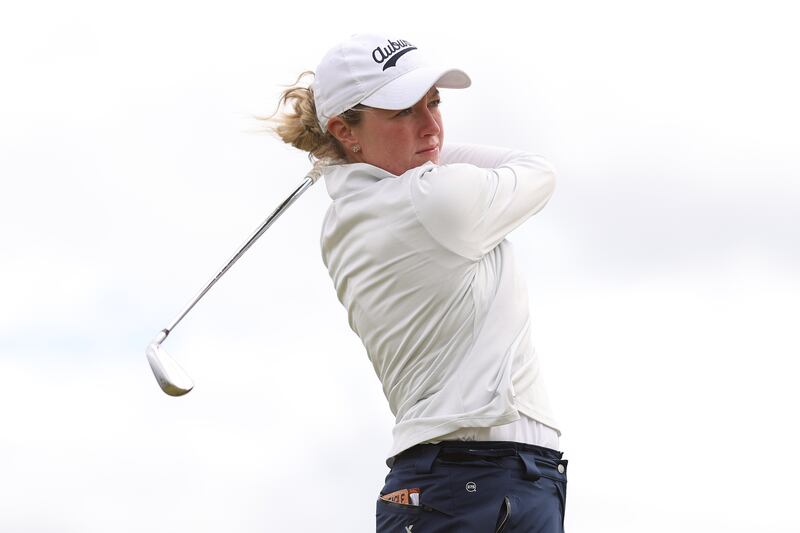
x,y
487,156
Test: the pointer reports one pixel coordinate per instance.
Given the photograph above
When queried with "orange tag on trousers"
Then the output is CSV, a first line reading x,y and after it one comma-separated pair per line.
x,y
404,496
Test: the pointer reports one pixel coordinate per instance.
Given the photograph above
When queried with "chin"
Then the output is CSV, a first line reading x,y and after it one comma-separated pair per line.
x,y
424,158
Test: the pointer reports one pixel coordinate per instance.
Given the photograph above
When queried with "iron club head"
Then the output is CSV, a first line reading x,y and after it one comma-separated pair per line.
x,y
170,376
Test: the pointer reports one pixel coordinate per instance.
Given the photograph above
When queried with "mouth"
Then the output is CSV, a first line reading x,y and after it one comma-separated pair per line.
x,y
428,151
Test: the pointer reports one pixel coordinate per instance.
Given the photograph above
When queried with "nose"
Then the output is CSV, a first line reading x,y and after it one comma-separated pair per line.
x,y
429,125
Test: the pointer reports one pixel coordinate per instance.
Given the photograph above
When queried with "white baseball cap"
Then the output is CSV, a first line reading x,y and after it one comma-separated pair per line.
x,y
377,71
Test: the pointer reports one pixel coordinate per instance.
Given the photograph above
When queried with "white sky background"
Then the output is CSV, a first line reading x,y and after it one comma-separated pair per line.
x,y
663,275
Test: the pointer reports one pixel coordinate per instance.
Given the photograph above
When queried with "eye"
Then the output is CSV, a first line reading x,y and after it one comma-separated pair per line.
x,y
435,103
403,112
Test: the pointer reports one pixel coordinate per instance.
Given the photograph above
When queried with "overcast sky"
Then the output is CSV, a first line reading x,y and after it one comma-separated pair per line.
x,y
663,275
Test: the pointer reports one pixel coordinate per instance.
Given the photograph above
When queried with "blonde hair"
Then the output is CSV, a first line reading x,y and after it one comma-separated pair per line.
x,y
295,122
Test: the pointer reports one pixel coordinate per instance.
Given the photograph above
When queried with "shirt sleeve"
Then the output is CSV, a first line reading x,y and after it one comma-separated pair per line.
x,y
479,194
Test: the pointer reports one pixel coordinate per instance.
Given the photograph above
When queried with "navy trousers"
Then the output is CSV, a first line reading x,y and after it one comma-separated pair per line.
x,y
476,487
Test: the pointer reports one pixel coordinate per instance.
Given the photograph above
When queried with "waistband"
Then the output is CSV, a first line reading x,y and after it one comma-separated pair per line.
x,y
424,455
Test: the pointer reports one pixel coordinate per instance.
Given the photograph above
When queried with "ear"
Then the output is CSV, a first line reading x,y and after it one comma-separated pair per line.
x,y
343,132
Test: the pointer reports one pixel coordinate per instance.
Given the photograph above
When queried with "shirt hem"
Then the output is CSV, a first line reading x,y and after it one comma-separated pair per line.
x,y
403,443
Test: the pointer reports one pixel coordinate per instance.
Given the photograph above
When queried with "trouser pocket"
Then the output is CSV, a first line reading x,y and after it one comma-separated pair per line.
x,y
432,514
392,517
505,516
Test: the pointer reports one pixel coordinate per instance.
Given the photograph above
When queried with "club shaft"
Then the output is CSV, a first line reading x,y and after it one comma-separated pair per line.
x,y
307,182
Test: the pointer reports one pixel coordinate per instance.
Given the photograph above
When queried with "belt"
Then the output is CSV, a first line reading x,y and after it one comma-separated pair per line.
x,y
424,455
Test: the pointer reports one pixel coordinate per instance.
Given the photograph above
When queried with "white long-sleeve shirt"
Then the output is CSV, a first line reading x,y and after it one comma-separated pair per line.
x,y
430,284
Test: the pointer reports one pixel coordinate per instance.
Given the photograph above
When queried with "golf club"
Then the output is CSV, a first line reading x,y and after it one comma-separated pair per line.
x,y
173,379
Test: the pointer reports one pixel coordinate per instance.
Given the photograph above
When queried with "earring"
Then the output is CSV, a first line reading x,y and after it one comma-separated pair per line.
x,y
356,148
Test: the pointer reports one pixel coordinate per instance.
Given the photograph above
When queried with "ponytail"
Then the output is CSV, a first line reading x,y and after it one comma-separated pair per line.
x,y
295,121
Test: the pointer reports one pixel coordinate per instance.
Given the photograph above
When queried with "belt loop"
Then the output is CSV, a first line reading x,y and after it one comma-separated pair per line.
x,y
532,471
425,457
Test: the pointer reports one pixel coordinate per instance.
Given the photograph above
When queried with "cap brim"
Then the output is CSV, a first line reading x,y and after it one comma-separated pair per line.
x,y
406,90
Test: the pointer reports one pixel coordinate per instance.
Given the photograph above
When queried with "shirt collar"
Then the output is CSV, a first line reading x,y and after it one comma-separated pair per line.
x,y
345,179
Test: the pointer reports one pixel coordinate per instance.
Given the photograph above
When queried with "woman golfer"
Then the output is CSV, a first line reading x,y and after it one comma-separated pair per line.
x,y
414,241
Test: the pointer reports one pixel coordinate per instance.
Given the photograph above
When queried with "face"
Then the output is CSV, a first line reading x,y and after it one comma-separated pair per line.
x,y
397,141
